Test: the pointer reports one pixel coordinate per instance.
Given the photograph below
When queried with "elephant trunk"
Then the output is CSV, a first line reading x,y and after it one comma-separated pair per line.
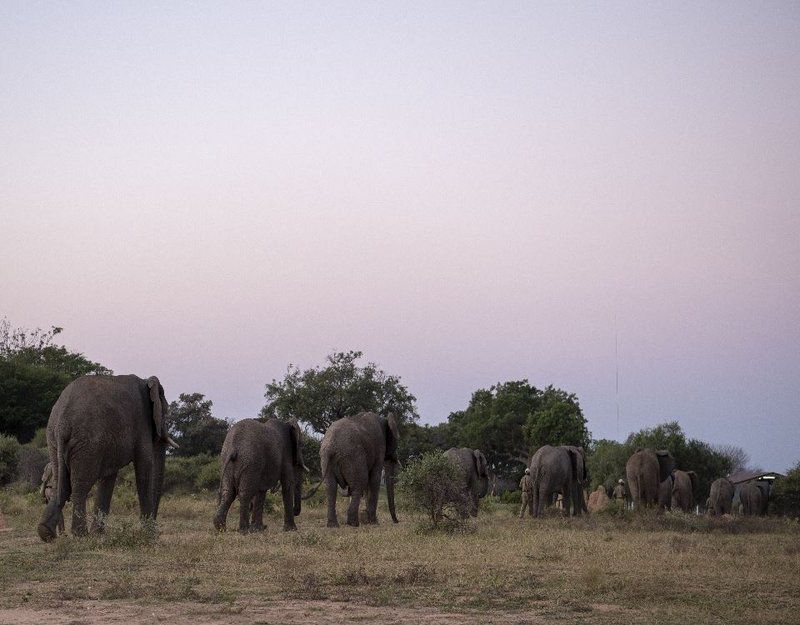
x,y
390,469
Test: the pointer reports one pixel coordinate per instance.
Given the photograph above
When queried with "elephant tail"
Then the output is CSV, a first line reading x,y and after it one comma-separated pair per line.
x,y
314,490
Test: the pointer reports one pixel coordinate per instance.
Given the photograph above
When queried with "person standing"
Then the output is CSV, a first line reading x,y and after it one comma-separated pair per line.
x,y
526,485
619,494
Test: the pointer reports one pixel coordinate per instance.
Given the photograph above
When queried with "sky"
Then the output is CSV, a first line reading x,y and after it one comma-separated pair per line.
x,y
468,193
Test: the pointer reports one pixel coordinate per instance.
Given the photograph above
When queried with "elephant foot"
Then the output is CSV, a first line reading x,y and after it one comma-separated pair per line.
x,y
352,522
257,527
289,527
333,523
46,533
394,519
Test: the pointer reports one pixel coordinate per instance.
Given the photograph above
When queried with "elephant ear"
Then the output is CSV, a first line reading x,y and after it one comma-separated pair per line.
x,y
666,464
480,463
158,409
297,451
576,460
392,437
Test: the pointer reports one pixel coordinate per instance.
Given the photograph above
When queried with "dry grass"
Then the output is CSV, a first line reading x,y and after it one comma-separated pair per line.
x,y
606,569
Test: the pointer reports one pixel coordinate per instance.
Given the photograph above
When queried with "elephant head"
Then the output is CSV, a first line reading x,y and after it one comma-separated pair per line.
x,y
481,469
390,462
666,464
300,467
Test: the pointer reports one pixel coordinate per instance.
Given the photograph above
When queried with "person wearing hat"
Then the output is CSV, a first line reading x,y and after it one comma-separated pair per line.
x,y
526,485
619,494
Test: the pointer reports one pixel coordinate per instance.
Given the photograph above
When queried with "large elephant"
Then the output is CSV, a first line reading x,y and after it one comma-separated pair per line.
x,y
255,457
720,498
665,493
754,497
558,470
98,425
473,474
354,452
684,484
646,469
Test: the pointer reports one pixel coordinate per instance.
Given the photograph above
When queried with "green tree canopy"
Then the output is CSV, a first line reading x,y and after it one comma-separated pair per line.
x,y
194,427
510,420
33,372
319,396
421,439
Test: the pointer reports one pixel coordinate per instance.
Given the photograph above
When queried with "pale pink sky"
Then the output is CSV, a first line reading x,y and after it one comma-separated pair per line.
x,y
467,193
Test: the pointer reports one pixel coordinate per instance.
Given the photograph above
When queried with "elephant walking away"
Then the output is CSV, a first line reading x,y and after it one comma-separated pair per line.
x,y
720,499
355,451
683,488
98,425
558,470
754,497
646,469
473,475
255,457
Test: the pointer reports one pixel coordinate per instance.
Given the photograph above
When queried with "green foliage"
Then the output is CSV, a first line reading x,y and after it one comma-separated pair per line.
x,y
510,420
188,474
511,496
431,484
33,372
420,439
39,439
606,462
309,447
785,495
194,427
30,466
9,458
321,395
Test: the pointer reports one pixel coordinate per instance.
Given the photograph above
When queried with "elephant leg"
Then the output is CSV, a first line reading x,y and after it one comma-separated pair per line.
x,y
473,504
352,509
143,467
226,496
102,502
372,495
257,519
287,492
244,510
541,501
331,488
566,499
79,495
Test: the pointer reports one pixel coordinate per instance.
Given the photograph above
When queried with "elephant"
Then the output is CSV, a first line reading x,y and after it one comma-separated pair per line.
x,y
665,493
558,470
98,425
255,457
354,452
754,497
646,469
473,475
683,488
720,498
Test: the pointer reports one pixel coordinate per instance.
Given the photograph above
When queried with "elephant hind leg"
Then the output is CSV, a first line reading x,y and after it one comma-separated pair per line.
x,y
372,496
244,510
331,489
352,509
257,519
102,502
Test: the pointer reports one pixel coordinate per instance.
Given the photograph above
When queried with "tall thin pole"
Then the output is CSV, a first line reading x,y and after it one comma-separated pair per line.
x,y
616,370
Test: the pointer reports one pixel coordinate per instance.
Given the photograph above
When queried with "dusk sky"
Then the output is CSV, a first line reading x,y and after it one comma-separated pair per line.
x,y
467,193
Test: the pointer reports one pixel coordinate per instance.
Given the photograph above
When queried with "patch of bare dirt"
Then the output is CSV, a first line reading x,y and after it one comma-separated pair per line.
x,y
278,613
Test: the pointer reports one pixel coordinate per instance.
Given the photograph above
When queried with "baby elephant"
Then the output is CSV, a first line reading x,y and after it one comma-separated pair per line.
x,y
255,457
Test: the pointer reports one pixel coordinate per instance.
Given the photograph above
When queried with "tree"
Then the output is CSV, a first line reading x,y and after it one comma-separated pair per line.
x,y
194,427
785,495
510,419
421,439
606,462
431,484
319,396
738,458
33,372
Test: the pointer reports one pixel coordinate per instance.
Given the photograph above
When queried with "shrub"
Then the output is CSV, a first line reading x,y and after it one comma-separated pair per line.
x,y
511,496
30,466
207,477
431,484
785,496
181,473
9,458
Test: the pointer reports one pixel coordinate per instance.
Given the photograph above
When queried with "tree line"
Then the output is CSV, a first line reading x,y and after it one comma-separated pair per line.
x,y
508,421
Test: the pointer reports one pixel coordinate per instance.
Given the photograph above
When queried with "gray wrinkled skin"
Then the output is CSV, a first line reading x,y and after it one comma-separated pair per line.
x,y
558,470
473,473
683,487
720,499
646,469
98,425
354,453
255,458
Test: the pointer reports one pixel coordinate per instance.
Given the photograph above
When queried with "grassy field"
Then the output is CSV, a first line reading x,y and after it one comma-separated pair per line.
x,y
603,569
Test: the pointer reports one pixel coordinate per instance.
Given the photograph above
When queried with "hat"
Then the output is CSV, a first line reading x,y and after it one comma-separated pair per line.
x,y
527,471
621,481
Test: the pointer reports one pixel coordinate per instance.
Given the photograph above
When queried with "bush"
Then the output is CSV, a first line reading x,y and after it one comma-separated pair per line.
x,y
785,496
431,484
511,496
207,477
182,473
30,467
9,458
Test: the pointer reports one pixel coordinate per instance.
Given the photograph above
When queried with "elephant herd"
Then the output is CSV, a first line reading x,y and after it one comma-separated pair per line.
x,y
100,424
